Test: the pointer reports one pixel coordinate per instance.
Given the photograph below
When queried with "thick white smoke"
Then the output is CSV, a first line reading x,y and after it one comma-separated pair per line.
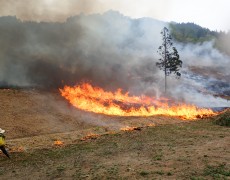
x,y
205,75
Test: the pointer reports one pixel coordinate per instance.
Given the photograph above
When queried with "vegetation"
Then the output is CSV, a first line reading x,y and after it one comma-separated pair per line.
x,y
217,172
224,119
191,33
171,151
170,60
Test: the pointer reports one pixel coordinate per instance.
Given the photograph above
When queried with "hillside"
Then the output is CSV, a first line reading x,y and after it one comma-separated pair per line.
x,y
31,112
193,33
50,55
94,147
48,138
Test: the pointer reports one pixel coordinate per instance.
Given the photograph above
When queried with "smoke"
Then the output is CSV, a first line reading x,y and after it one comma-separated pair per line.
x,y
205,75
46,10
54,109
110,50
59,10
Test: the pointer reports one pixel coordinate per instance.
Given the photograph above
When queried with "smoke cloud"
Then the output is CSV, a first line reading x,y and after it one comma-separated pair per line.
x,y
59,10
110,50
205,75
46,10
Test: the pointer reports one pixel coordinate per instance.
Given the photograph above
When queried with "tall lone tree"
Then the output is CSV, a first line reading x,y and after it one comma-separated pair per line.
x,y
170,60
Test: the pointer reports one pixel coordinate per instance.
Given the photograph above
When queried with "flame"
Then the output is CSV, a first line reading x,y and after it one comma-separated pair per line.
x,y
127,128
95,99
151,125
90,136
17,149
58,143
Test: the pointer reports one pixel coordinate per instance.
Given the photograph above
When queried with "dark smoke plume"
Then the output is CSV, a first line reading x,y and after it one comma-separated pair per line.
x,y
109,50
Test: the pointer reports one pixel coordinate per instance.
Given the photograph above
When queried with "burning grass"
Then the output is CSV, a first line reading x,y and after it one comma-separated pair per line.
x,y
127,128
58,143
17,149
95,99
90,136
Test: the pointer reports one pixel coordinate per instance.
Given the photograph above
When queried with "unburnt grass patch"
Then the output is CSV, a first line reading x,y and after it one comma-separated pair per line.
x,y
192,150
224,119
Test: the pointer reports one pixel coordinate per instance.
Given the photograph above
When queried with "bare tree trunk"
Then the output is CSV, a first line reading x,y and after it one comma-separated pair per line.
x,y
165,63
165,83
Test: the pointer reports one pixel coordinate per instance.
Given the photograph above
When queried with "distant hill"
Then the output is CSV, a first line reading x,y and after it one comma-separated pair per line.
x,y
193,33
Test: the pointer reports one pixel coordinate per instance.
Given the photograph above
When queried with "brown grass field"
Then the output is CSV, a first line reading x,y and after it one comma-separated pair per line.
x,y
170,149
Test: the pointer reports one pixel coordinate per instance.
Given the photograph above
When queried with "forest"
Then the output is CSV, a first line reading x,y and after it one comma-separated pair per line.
x,y
193,33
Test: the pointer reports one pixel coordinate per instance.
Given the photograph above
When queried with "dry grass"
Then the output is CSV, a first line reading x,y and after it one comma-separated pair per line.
x,y
170,150
223,119
193,150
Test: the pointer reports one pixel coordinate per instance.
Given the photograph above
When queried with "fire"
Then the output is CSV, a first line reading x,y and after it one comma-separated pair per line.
x,y
151,125
127,128
90,136
95,99
58,143
17,149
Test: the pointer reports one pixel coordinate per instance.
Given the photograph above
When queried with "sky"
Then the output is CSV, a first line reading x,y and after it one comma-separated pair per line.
x,y
212,14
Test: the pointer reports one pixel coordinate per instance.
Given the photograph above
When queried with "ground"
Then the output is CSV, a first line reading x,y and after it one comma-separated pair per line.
x,y
171,149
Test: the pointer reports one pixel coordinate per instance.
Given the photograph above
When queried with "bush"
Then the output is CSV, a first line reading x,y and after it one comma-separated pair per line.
x,y
224,119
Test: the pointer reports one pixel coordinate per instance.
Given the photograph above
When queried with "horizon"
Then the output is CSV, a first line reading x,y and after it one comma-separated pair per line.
x,y
215,17
115,11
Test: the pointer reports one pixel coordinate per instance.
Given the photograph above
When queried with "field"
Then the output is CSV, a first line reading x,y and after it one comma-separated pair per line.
x,y
163,148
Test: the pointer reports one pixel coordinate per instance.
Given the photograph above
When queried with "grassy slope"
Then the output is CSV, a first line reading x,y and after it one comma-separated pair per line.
x,y
190,150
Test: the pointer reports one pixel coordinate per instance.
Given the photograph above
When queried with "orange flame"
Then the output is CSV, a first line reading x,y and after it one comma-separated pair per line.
x,y
95,99
127,128
90,136
17,149
58,143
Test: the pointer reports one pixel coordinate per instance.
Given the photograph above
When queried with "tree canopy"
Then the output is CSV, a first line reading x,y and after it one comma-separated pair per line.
x,y
170,60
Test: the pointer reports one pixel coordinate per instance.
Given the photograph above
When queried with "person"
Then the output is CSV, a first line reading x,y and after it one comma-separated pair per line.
x,y
3,143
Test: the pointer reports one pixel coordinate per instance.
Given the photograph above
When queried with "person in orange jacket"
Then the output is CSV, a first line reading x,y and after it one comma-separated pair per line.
x,y
3,142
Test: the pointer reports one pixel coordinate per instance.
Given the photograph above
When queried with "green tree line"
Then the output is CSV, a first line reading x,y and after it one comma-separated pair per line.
x,y
193,33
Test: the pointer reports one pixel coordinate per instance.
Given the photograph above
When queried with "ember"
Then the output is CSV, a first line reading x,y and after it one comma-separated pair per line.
x,y
95,99
58,143
90,136
151,125
17,149
131,128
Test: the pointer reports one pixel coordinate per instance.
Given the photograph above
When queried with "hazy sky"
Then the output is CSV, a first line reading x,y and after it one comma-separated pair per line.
x,y
213,14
